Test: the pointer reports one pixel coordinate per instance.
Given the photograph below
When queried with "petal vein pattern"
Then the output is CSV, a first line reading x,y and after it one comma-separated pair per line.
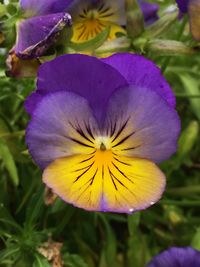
x,y
109,167
104,181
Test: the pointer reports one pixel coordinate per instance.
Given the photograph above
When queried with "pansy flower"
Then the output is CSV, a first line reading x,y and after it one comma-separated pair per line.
x,y
99,126
46,19
91,17
192,7
177,257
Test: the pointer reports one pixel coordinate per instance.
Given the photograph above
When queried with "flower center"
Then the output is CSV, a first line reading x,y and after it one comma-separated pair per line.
x,y
91,21
102,143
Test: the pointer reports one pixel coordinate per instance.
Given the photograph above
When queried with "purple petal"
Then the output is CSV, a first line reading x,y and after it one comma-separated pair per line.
x,y
149,11
37,34
43,7
84,75
143,124
116,9
183,5
142,72
173,257
53,131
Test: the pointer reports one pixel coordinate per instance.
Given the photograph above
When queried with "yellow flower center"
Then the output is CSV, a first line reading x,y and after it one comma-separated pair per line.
x,y
102,143
92,20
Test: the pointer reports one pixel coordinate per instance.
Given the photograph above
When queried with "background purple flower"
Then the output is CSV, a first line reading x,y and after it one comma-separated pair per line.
x,y
192,7
150,11
183,5
36,34
48,18
177,257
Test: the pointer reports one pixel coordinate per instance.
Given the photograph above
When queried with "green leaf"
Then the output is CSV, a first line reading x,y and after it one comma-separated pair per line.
x,y
110,248
3,10
72,260
133,222
41,261
160,26
137,251
196,240
191,87
92,44
11,139
8,252
35,207
187,141
8,160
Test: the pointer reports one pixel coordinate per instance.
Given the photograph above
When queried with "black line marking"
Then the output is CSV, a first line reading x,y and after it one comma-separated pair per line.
x,y
123,140
122,173
79,130
105,10
123,186
113,129
89,181
90,166
101,7
112,176
102,15
85,160
82,33
79,142
130,148
82,168
87,126
118,180
127,164
120,130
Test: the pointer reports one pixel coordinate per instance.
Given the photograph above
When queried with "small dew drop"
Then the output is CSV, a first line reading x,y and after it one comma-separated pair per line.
x,y
152,203
131,210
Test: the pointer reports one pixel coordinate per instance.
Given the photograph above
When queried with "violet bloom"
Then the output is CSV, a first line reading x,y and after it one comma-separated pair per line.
x,y
47,18
99,126
91,17
192,7
38,32
177,257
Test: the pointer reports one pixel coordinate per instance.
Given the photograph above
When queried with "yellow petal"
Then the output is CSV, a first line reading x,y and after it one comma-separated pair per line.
x,y
103,181
114,30
86,30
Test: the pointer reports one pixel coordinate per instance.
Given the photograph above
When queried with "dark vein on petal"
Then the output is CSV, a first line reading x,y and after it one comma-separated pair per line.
x,y
127,164
120,130
80,131
112,176
123,186
87,126
79,142
122,173
124,139
81,169
85,160
130,148
89,167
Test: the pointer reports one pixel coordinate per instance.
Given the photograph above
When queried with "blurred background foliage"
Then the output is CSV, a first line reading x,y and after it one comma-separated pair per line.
x,y
36,234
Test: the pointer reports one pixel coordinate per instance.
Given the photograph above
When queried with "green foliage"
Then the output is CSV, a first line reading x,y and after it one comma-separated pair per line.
x,y
98,239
